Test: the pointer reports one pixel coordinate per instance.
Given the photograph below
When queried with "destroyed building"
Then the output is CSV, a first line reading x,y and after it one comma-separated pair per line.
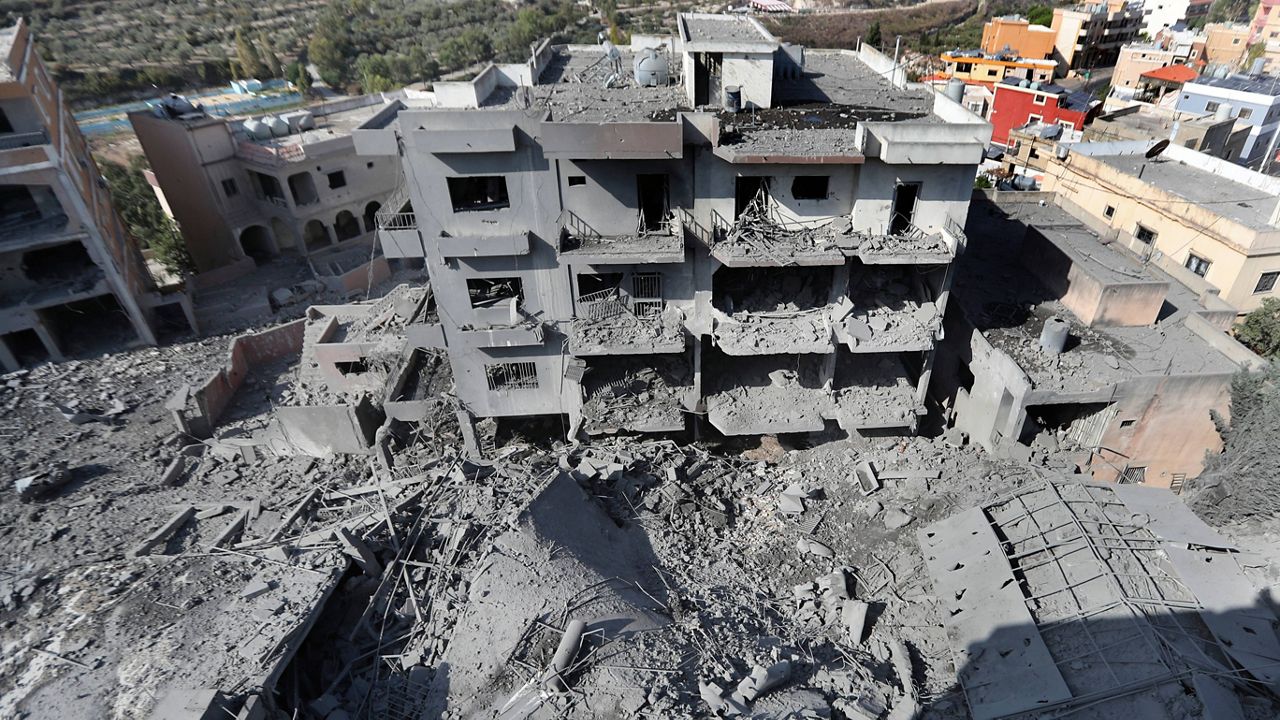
x,y
711,223
246,190
72,280
1061,342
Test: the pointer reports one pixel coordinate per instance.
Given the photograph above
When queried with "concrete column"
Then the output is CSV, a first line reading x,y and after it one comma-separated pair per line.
x,y
50,344
7,359
469,440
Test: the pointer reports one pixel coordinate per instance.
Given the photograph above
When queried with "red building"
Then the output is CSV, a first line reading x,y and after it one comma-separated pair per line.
x,y
1015,106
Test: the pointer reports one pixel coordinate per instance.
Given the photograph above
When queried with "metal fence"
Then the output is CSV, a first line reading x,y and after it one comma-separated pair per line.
x,y
512,376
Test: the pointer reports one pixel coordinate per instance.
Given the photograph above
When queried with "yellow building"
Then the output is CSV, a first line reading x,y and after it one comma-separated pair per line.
x,y
975,67
1210,223
1226,43
1018,36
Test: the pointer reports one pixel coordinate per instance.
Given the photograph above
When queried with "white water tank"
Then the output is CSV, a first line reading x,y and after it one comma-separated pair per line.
x,y
1223,112
652,69
257,130
278,127
955,90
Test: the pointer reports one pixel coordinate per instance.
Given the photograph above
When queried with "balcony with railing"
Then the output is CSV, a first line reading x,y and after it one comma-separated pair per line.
x,y
762,237
11,141
609,322
580,243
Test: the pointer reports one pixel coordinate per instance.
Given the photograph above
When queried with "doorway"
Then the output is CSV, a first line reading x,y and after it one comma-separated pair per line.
x,y
905,196
652,195
746,190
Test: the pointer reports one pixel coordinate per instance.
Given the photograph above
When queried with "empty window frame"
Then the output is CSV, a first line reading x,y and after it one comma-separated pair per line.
x,y
577,180
810,187
1266,282
1210,106
337,179
488,292
511,376
1040,99
1197,264
1144,234
1109,212
1245,113
482,192
229,187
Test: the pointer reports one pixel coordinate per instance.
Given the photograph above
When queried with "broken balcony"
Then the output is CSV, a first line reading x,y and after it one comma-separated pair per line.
x,y
775,311
873,392
609,322
765,395
580,243
890,308
50,276
498,317
760,237
904,244
636,394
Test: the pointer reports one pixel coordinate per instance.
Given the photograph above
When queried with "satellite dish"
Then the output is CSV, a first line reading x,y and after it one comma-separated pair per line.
x,y
1157,149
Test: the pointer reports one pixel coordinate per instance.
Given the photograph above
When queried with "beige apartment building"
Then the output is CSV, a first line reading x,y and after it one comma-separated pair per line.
x,y
1091,35
244,191
1134,60
72,280
1226,44
1211,224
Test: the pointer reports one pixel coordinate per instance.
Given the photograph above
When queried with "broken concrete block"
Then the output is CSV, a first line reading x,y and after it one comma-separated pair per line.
x,y
164,531
858,329
762,680
790,504
813,547
256,588
173,471
712,694
853,615
359,552
868,481
895,518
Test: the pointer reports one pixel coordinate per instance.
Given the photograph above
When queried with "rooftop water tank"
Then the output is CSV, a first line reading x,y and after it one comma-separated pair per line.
x,y
1053,338
278,127
257,129
1223,112
299,120
652,69
955,90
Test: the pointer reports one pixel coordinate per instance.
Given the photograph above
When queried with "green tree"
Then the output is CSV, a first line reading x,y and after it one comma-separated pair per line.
x,y
270,60
1260,330
873,35
247,56
147,222
469,47
1040,15
329,55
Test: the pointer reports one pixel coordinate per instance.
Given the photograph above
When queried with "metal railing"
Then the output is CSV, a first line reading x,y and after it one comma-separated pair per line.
x,y
11,141
602,305
397,221
512,376
953,227
576,227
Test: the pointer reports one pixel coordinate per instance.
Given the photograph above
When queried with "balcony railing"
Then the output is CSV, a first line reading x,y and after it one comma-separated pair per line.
x,y
11,141
397,212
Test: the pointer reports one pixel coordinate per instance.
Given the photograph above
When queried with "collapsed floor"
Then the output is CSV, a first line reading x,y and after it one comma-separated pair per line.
x,y
689,579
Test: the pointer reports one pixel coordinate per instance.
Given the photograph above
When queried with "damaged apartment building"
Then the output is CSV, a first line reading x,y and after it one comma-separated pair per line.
x,y
71,278
245,191
1061,344
711,225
